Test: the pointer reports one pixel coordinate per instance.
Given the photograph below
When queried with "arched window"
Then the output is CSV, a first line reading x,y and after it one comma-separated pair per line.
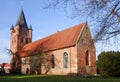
x,y
52,61
87,57
65,60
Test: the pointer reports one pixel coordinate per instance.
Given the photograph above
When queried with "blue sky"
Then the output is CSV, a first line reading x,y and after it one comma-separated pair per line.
x,y
43,21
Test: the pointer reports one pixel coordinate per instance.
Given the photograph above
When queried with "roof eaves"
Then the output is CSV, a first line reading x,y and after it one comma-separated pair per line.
x,y
60,48
81,33
50,50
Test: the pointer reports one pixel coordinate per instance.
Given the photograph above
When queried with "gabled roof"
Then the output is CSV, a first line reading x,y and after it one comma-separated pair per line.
x,y
21,20
59,40
5,65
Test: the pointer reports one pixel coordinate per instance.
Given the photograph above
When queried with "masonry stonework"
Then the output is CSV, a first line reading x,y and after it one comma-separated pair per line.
x,y
85,43
75,41
20,35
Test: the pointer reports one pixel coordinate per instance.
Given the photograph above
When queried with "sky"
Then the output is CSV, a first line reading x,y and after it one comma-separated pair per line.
x,y
43,21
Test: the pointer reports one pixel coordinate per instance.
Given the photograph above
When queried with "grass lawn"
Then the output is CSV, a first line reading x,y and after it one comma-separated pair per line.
x,y
54,78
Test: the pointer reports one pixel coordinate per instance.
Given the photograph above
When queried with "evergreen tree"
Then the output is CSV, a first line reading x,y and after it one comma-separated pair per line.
x,y
109,63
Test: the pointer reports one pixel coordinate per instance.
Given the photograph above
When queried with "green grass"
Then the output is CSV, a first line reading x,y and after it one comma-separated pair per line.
x,y
54,78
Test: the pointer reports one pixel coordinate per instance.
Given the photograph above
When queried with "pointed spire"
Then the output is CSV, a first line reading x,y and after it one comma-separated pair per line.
x,y
12,27
21,20
30,27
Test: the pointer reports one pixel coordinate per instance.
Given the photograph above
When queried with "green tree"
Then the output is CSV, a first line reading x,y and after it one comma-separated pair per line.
x,y
109,63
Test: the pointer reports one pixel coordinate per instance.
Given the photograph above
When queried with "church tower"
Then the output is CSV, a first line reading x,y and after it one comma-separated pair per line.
x,y
20,34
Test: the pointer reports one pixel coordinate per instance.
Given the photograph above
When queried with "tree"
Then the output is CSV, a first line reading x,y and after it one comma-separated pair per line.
x,y
104,14
109,63
15,62
2,70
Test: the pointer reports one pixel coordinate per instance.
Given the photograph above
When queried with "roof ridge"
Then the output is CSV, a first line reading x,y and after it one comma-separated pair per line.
x,y
61,31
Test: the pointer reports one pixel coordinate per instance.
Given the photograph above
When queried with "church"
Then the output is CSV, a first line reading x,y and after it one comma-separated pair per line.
x,y
70,51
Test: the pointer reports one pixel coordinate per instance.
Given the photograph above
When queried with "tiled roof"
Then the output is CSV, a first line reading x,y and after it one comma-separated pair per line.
x,y
5,65
59,40
21,20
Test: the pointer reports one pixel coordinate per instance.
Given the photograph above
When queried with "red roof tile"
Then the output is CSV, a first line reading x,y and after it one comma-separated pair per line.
x,y
7,65
61,39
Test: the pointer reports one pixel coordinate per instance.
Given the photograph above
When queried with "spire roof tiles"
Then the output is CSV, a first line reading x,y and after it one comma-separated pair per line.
x,y
21,20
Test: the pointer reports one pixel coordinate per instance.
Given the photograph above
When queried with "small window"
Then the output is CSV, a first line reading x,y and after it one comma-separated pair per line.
x,y
22,40
26,41
65,60
52,61
87,57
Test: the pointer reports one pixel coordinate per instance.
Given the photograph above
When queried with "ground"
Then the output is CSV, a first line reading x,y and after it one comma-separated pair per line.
x,y
54,78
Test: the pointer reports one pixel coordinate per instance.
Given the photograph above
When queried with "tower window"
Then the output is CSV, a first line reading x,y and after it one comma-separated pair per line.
x,y
22,40
26,41
65,60
52,61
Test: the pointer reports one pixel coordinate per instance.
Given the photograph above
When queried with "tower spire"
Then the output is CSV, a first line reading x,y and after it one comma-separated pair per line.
x,y
21,20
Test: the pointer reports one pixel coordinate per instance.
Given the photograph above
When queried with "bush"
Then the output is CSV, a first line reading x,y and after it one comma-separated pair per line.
x,y
109,63
2,70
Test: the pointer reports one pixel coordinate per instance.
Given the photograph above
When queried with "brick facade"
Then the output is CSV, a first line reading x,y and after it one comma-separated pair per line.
x,y
85,44
20,35
76,58
74,54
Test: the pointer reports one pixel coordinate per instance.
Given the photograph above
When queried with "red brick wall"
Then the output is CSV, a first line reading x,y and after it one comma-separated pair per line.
x,y
19,37
58,69
76,58
16,35
85,43
72,61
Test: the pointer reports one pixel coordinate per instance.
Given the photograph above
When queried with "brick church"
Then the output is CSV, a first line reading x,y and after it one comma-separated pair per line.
x,y
70,51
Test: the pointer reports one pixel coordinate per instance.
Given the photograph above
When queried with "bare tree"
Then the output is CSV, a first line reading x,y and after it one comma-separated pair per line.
x,y
15,62
38,61
104,14
41,60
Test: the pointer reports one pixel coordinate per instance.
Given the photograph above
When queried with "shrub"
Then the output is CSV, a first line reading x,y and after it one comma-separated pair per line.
x,y
109,63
